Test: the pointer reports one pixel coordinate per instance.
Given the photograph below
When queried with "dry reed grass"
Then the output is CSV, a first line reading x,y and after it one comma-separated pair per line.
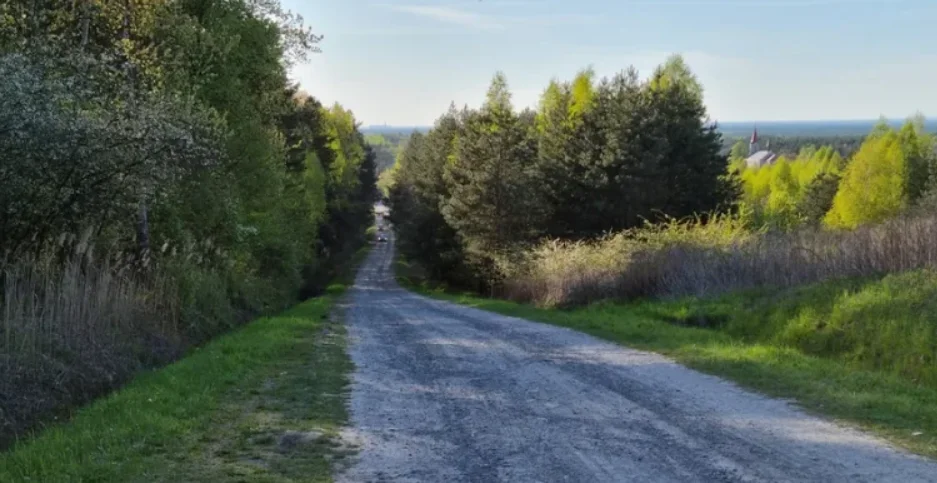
x,y
70,331
693,258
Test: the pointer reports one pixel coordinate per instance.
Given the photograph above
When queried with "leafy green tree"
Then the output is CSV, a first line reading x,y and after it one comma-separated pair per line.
x,y
559,119
188,129
784,197
166,135
73,158
675,72
594,157
777,193
873,185
739,150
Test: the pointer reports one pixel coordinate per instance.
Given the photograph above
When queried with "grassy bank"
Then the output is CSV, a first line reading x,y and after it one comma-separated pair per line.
x,y
860,351
263,403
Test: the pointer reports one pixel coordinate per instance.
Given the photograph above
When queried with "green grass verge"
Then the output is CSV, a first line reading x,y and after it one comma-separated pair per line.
x,y
860,352
263,403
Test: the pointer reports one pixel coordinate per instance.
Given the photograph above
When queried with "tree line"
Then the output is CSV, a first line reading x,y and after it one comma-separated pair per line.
x,y
595,156
167,126
791,146
892,170
386,148
161,180
472,196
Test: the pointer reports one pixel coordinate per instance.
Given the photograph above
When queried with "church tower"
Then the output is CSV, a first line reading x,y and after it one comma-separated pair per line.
x,y
753,144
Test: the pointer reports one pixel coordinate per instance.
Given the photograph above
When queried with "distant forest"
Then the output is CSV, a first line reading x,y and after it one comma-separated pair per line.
x,y
819,129
386,146
786,138
790,146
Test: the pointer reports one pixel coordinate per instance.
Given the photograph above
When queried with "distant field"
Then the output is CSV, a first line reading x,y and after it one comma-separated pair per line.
x,y
739,129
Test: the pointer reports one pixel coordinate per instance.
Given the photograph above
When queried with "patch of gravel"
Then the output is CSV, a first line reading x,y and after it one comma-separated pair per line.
x,y
448,393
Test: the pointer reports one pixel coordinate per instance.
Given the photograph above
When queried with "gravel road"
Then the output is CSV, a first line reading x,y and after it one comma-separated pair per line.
x,y
445,393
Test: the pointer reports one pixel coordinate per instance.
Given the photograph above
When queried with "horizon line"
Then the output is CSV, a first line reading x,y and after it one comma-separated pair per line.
x,y
760,121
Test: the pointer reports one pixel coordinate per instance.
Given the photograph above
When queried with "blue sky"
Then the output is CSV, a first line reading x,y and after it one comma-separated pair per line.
x,y
402,62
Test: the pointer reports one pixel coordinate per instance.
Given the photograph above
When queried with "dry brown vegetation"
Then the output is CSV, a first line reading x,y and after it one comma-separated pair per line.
x,y
71,331
693,258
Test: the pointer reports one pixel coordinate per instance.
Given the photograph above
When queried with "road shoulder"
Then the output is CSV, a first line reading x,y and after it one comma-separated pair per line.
x,y
264,403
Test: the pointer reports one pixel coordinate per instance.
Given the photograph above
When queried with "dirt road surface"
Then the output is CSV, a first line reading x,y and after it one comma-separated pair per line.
x,y
445,393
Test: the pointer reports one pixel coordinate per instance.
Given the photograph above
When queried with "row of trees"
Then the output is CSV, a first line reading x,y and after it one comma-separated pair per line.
x,y
791,146
891,171
161,180
791,191
596,156
386,148
159,127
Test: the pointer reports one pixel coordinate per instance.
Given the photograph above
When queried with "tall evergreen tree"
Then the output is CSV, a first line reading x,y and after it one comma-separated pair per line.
x,y
493,204
639,151
818,197
416,199
919,148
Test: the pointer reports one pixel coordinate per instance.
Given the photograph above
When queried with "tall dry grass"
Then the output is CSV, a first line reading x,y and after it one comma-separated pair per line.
x,y
693,258
71,330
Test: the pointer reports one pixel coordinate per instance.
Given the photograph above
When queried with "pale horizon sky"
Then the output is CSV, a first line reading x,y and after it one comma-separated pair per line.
x,y
402,62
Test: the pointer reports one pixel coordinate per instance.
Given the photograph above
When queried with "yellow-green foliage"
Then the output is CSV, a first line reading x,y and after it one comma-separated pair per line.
x,y
775,191
719,231
582,94
613,252
873,184
386,180
889,172
349,151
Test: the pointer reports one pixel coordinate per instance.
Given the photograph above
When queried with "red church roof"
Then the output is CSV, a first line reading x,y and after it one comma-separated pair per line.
x,y
754,136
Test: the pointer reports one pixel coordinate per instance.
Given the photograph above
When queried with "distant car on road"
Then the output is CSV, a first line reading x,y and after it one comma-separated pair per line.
x,y
381,238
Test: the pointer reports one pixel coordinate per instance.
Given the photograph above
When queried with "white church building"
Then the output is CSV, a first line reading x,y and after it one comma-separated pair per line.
x,y
758,157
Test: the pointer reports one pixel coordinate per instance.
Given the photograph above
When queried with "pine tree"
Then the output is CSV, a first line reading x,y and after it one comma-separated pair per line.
x,y
493,202
918,147
692,168
638,151
559,122
818,197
